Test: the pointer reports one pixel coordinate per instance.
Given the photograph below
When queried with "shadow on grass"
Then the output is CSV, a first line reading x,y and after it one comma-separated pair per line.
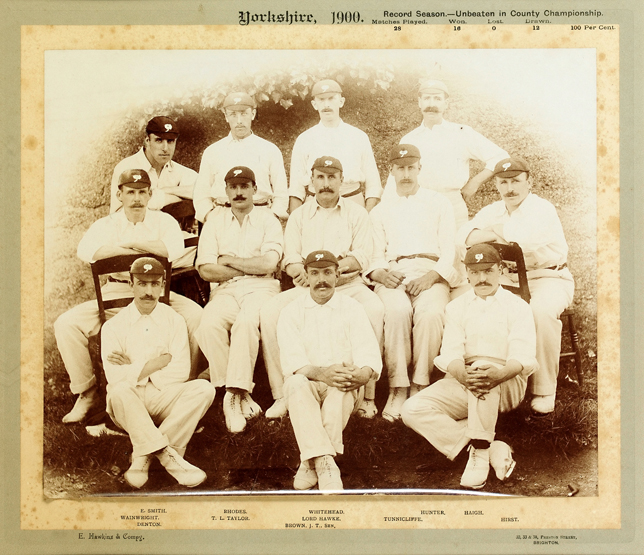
x,y
378,455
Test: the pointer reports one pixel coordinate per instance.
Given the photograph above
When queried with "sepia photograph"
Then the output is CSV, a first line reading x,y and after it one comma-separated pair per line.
x,y
326,271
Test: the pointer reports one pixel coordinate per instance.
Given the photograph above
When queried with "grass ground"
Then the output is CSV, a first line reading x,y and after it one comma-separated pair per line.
x,y
378,455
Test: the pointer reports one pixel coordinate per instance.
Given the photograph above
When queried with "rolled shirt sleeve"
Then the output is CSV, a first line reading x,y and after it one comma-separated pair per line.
x,y
115,230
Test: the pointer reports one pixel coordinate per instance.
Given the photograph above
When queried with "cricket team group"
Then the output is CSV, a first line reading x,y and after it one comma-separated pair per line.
x,y
394,277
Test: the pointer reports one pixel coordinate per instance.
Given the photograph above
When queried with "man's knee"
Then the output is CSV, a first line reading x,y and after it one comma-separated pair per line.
x,y
203,389
295,384
374,308
65,323
121,390
414,408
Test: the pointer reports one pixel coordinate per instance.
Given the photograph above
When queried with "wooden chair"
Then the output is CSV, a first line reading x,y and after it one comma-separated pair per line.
x,y
513,253
100,268
184,213
187,281
123,263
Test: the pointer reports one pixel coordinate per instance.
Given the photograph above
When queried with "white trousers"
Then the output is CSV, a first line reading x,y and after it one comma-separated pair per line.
x,y
270,313
549,298
176,409
448,415
229,330
74,327
419,319
318,414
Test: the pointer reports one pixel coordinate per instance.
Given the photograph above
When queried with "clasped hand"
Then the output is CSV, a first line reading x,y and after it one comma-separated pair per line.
x,y
346,377
480,381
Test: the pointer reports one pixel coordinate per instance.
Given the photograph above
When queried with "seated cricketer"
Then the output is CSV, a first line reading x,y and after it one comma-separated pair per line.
x,y
170,181
329,352
147,362
413,268
533,223
488,352
134,229
239,250
332,223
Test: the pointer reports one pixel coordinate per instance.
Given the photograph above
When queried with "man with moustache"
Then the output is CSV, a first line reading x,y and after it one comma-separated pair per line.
x,y
134,229
170,182
532,222
147,363
334,137
239,251
329,352
413,268
487,354
446,149
333,223
241,148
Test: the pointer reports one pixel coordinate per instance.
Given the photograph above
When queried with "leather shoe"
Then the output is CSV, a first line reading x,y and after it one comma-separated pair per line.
x,y
235,420
367,408
477,468
250,409
306,476
85,402
501,459
180,469
328,474
278,409
395,401
543,404
137,474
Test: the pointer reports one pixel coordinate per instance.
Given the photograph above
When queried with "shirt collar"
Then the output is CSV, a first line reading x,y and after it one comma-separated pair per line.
x,y
527,202
251,217
232,139
333,302
492,298
122,218
441,125
315,206
135,315
148,167
322,126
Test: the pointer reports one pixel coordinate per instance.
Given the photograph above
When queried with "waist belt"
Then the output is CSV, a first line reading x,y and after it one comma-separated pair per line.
x,y
264,202
114,280
422,255
560,267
